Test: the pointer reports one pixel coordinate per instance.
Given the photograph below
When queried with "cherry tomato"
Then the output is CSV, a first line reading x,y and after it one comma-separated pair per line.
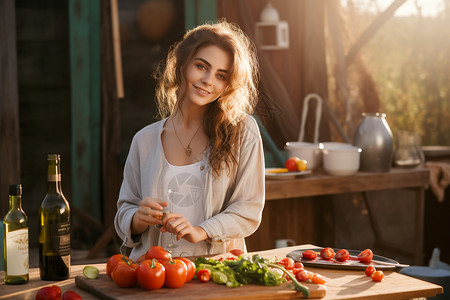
x,y
113,261
318,279
176,273
190,266
327,253
377,276
302,275
370,270
291,163
309,254
71,295
151,274
124,274
365,256
296,270
237,252
48,293
287,263
298,265
159,253
204,275
342,255
231,258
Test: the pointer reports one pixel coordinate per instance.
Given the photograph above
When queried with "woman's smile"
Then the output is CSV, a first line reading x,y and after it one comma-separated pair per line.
x,y
207,75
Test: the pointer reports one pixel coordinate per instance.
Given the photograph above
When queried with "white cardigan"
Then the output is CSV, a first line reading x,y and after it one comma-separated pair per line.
x,y
233,204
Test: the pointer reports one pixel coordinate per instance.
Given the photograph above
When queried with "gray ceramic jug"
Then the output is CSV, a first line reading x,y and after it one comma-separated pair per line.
x,y
374,137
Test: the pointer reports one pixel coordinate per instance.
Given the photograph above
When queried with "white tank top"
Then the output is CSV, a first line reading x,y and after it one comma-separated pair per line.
x,y
186,197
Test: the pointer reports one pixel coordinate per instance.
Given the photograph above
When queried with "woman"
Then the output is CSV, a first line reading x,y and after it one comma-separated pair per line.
x,y
203,163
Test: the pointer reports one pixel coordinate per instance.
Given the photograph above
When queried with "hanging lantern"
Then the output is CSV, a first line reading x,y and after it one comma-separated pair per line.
x,y
155,17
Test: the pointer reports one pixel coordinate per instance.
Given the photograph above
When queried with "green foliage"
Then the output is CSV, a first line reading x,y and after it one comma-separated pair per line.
x,y
410,62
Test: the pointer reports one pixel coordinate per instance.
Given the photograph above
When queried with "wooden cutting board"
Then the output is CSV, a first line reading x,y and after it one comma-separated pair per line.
x,y
104,288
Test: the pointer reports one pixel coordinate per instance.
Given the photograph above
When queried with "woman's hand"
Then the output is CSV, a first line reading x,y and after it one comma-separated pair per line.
x,y
177,224
148,213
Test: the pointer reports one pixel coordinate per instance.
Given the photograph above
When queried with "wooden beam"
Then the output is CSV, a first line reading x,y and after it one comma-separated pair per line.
x,y
370,31
9,103
84,24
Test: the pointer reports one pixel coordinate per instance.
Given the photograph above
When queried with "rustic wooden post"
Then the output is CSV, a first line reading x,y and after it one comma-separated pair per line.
x,y
9,104
84,24
315,66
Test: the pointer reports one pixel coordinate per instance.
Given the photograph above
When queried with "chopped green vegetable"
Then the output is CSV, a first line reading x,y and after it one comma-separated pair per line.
x,y
90,272
245,270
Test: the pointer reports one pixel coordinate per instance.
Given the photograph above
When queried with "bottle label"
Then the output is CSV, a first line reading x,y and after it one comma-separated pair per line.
x,y
17,252
53,177
60,233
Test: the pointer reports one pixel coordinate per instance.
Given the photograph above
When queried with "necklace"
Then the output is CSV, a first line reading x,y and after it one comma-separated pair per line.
x,y
187,150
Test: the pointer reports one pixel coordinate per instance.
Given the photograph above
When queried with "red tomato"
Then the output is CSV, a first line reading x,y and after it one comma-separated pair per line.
x,y
370,270
231,258
318,279
176,273
365,256
302,275
159,253
327,253
287,263
298,265
113,261
204,275
48,293
342,255
71,295
377,276
58,290
296,270
151,274
309,254
124,274
190,266
237,252
291,163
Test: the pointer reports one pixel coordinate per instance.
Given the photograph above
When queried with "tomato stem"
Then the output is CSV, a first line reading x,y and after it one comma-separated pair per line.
x,y
298,286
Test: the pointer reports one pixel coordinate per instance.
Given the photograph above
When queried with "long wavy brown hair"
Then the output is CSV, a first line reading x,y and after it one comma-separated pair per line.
x,y
222,121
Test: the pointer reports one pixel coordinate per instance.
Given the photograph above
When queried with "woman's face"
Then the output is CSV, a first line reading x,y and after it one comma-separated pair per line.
x,y
207,75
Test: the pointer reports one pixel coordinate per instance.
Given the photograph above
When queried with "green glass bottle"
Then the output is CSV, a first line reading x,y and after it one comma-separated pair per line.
x,y
15,239
54,227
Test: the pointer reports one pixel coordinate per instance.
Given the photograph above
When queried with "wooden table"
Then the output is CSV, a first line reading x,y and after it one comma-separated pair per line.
x,y
341,284
319,183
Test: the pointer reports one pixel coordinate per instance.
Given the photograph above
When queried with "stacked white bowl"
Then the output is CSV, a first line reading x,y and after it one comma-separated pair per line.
x,y
340,159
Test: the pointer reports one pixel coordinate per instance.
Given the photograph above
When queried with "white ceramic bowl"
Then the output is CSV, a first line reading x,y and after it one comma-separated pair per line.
x,y
341,160
310,152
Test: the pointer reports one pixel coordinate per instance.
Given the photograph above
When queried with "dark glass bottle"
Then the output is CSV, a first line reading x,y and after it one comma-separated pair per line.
x,y
54,227
15,239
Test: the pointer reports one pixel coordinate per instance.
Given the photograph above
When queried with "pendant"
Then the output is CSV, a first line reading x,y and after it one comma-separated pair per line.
x,y
188,150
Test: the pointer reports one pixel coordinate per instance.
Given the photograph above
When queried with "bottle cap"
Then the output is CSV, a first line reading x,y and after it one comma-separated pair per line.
x,y
15,189
53,156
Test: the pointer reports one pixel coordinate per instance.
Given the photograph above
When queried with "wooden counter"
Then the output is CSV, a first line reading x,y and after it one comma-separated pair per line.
x,y
319,184
341,284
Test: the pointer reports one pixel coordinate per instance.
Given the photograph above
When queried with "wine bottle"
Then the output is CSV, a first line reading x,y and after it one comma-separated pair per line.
x,y
15,239
54,227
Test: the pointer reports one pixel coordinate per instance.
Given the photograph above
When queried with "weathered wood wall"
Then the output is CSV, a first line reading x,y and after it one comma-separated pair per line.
x,y
9,105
